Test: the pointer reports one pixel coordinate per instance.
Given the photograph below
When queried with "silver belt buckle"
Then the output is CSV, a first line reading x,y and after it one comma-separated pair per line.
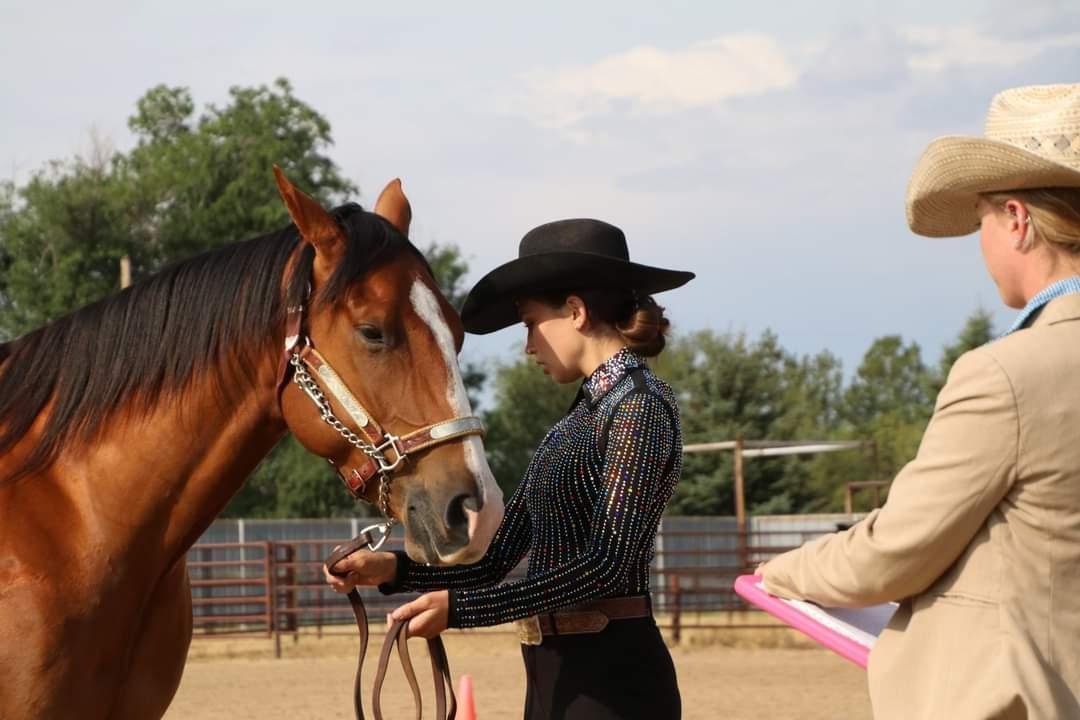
x,y
529,630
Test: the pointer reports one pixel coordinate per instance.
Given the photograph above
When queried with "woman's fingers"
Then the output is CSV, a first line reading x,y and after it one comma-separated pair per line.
x,y
340,584
411,609
426,615
425,624
361,568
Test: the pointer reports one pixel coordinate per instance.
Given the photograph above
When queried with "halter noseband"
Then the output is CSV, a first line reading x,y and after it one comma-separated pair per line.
x,y
385,451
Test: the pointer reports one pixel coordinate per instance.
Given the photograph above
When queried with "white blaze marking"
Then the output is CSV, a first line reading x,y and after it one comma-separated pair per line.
x,y
427,307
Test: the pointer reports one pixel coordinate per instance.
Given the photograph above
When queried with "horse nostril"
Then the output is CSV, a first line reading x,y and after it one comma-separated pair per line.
x,y
473,503
455,510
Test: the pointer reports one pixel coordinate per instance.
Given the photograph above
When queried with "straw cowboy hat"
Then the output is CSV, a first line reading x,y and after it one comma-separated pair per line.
x,y
561,255
1032,141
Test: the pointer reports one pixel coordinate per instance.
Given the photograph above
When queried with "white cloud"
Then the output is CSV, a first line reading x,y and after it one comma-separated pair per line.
x,y
941,48
656,81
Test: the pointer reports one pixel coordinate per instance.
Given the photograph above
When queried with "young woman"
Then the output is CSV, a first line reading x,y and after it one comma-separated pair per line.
x,y
980,538
589,505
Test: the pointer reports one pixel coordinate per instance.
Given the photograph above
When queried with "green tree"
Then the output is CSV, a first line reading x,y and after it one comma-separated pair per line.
x,y
813,402
190,184
201,182
7,210
63,235
886,406
977,331
730,387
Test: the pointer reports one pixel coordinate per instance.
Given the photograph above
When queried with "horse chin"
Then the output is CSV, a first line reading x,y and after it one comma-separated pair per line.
x,y
432,543
482,525
421,548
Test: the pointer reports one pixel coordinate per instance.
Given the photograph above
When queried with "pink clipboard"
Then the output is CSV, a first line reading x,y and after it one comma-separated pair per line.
x,y
848,633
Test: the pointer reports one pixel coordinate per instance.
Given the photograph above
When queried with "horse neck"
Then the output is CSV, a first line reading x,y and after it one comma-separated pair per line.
x,y
157,480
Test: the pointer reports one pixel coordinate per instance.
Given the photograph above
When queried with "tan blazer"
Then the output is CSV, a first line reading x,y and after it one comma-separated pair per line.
x,y
979,540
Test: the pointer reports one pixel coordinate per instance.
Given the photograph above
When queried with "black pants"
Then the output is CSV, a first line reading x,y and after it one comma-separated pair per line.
x,y
623,672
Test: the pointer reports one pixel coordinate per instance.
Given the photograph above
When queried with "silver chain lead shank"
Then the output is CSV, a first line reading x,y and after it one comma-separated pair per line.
x,y
305,382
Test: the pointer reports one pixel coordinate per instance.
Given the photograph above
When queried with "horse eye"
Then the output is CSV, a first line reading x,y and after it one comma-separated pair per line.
x,y
370,333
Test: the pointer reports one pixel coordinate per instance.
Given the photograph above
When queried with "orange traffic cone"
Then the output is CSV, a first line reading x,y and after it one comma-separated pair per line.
x,y
466,704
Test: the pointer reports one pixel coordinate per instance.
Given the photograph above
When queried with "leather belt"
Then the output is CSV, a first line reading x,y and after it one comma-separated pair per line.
x,y
584,618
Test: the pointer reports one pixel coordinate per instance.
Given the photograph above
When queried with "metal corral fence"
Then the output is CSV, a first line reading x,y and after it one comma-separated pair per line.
x,y
265,576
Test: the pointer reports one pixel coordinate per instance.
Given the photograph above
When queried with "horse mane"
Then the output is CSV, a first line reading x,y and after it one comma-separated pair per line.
x,y
155,337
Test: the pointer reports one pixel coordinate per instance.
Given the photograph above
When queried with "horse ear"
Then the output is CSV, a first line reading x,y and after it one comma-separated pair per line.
x,y
394,207
316,225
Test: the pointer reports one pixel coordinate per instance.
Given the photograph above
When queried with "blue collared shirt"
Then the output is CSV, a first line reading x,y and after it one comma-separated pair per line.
x,y
1067,286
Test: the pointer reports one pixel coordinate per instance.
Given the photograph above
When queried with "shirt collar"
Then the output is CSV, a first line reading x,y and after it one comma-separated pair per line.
x,y
609,373
1061,287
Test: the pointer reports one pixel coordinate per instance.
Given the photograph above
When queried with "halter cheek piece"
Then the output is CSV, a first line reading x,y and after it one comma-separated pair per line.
x,y
385,451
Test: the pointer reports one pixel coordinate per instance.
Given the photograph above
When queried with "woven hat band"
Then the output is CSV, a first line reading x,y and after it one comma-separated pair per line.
x,y
1043,120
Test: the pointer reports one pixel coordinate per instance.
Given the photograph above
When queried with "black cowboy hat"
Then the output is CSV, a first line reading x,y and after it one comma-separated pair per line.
x,y
561,255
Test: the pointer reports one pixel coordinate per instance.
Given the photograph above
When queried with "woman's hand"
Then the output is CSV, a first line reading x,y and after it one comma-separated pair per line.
x,y
427,614
361,568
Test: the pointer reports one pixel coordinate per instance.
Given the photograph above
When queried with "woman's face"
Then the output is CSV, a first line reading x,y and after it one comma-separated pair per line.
x,y
552,339
998,239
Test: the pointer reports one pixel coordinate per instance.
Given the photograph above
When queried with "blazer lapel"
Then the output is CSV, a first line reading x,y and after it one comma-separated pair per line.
x,y
1060,309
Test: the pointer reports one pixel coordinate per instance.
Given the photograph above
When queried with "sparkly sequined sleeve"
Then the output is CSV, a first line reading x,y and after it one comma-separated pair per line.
x,y
508,546
640,443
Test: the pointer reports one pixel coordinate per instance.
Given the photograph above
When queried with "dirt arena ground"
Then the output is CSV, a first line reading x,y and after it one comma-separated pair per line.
x,y
239,679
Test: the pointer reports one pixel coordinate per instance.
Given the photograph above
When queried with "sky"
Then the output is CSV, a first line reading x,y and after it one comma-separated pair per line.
x,y
764,146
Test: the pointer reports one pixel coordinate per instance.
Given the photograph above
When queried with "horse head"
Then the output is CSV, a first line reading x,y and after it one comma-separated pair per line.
x,y
370,377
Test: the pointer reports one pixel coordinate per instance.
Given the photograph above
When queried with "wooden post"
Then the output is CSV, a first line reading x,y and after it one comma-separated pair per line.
x,y
125,272
740,504
849,500
676,608
270,568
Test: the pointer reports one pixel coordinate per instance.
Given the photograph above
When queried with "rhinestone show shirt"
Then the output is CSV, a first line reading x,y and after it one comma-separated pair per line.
x,y
586,511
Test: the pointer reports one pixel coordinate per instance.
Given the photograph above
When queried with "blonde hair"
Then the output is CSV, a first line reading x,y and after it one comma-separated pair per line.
x,y
1054,217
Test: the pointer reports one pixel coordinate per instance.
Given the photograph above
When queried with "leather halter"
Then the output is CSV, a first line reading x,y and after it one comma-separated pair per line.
x,y
385,452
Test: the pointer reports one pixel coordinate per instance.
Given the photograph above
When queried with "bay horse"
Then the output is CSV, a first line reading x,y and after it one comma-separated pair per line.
x,y
126,426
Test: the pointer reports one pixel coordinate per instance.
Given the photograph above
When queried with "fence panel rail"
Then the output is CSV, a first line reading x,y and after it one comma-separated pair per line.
x,y
275,585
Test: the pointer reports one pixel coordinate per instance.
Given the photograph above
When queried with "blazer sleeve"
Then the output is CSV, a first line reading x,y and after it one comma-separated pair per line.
x,y
966,464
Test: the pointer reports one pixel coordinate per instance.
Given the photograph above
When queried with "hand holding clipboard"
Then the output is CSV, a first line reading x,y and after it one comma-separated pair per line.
x,y
847,632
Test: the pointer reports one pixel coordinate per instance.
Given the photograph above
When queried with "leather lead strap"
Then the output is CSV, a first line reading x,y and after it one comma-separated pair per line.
x,y
396,634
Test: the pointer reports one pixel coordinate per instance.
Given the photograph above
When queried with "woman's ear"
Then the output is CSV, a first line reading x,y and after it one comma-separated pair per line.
x,y
578,312
1019,225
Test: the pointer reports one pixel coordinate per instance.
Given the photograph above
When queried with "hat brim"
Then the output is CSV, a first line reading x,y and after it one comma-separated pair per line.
x,y
953,171
491,304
